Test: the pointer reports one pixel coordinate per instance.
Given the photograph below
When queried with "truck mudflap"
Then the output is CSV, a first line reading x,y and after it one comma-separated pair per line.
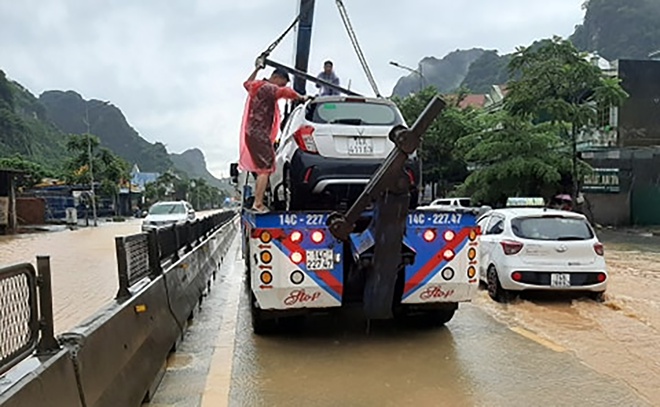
x,y
294,261
446,256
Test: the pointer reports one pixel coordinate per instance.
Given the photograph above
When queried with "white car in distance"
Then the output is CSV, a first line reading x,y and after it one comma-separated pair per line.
x,y
163,214
539,249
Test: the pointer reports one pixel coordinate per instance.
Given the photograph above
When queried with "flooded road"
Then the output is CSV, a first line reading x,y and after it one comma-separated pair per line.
x,y
618,338
486,356
83,266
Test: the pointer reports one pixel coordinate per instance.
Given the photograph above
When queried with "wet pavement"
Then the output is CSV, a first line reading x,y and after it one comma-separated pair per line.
x,y
481,358
83,265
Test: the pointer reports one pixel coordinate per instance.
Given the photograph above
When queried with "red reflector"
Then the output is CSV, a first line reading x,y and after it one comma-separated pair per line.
x,y
448,255
296,257
317,236
429,235
449,235
510,247
296,237
599,249
602,277
516,276
411,177
308,174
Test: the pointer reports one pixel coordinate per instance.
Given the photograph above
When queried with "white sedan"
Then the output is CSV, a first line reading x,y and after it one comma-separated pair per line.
x,y
539,249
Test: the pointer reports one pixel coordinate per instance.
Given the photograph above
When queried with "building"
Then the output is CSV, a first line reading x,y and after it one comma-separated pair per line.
x,y
8,214
131,193
624,149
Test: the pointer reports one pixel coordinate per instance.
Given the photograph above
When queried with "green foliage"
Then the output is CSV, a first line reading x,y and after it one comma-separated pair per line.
x,y
513,157
556,83
107,167
489,69
619,29
442,163
34,172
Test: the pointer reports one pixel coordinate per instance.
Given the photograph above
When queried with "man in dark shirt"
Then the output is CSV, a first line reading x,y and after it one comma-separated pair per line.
x,y
328,75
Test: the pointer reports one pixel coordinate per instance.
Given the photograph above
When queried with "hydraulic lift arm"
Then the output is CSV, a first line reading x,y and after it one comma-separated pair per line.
x,y
389,187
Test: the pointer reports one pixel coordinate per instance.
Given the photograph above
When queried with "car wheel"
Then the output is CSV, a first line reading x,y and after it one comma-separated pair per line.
x,y
289,190
495,290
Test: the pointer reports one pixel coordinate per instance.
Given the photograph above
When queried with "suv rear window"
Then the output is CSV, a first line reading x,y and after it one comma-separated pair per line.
x,y
551,228
353,113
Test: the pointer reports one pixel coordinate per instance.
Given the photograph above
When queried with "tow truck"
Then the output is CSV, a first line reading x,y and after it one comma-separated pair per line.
x,y
378,255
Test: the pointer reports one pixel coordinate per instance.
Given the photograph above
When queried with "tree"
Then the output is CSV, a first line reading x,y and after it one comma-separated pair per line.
x,y
513,157
107,168
555,83
441,162
34,172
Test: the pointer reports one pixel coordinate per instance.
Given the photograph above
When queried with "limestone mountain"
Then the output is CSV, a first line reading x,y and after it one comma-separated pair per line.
x,y
193,163
445,74
68,111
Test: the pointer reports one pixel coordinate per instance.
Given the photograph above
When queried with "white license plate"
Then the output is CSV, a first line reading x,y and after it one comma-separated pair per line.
x,y
560,280
320,260
360,146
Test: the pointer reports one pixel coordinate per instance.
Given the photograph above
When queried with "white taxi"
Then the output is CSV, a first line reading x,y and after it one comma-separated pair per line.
x,y
539,249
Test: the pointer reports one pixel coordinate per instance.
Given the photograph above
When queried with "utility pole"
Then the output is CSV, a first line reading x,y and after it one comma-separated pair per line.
x,y
415,71
89,158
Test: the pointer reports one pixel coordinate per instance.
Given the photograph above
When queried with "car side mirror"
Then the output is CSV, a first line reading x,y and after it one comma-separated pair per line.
x,y
233,172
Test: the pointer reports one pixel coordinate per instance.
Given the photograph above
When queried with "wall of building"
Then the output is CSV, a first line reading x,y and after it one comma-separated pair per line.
x,y
638,118
31,211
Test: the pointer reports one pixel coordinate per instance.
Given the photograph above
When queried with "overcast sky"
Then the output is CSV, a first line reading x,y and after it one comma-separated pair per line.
x,y
176,67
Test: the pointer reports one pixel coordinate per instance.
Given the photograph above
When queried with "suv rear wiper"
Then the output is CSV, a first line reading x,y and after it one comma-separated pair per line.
x,y
565,238
347,121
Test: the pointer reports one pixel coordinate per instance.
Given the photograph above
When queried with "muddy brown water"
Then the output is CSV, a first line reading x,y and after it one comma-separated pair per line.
x,y
620,337
83,266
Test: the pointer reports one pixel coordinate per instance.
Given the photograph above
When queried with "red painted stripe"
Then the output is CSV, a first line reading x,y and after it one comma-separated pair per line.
x,y
433,263
331,281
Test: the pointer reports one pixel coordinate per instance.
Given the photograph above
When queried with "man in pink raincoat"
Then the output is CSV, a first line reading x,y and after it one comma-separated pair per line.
x,y
261,121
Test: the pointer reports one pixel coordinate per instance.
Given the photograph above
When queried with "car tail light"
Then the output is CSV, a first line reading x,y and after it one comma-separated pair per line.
x,y
429,235
510,247
599,249
602,277
448,255
411,176
516,276
304,137
317,236
296,236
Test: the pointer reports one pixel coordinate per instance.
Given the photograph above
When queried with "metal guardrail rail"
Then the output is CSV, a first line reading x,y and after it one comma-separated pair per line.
x,y
143,255
26,312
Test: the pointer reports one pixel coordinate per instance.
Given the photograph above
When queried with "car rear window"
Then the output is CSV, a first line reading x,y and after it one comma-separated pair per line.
x,y
551,228
353,113
164,209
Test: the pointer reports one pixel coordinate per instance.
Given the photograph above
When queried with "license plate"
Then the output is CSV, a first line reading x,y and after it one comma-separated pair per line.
x,y
560,280
320,260
360,146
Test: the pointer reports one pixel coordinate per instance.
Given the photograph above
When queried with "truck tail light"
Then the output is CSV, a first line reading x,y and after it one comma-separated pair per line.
x,y
296,257
296,236
510,247
599,249
317,236
304,137
448,255
429,235
449,235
